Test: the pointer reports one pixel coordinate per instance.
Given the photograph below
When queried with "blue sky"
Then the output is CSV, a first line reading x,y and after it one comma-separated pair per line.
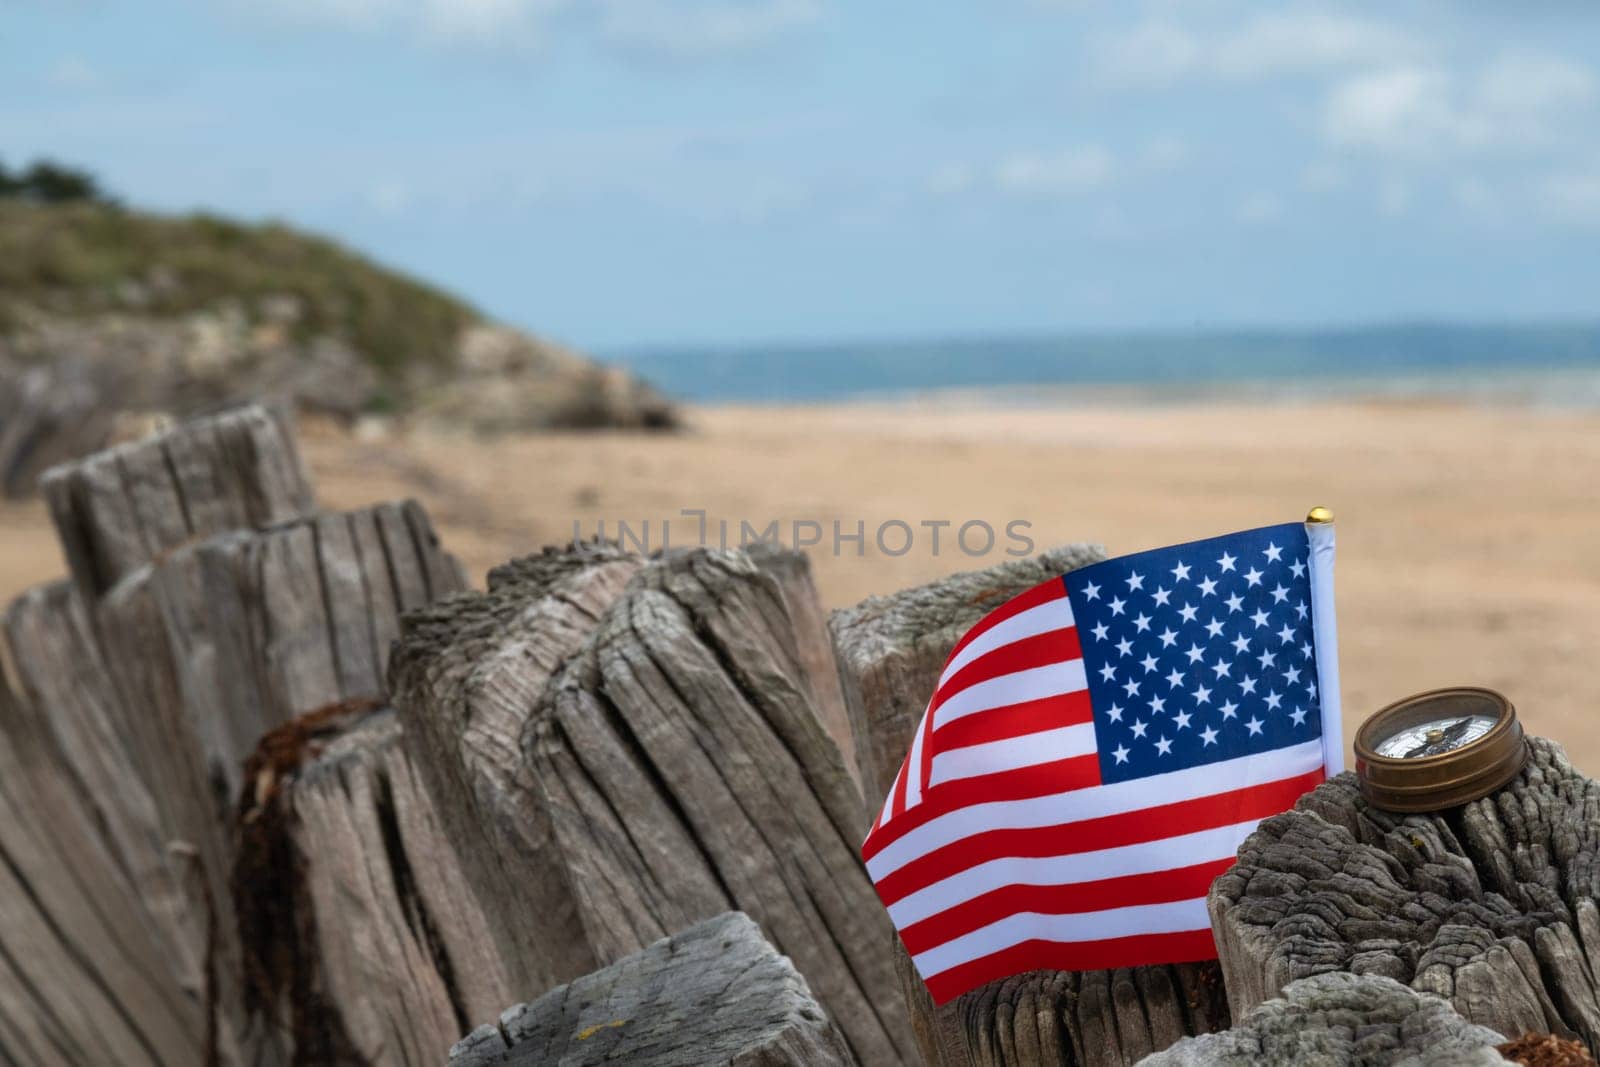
x,y
625,172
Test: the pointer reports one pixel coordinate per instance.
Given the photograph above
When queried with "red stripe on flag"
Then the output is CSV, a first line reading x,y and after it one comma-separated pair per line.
x,y
1153,887
1014,720
1042,779
1043,593
899,805
1184,947
1039,650
1091,835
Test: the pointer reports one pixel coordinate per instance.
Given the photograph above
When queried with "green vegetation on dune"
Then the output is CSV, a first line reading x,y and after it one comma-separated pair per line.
x,y
116,309
82,256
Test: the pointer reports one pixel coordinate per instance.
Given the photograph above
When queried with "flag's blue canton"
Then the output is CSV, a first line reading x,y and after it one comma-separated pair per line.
x,y
1200,652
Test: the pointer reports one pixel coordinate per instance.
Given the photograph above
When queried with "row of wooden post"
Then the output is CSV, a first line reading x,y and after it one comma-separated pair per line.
x,y
276,786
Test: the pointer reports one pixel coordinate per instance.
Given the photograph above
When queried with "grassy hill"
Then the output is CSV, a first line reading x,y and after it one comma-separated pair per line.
x,y
106,310
198,310
88,258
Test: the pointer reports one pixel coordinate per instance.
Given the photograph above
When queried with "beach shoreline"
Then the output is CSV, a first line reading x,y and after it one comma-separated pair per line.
x,y
1558,388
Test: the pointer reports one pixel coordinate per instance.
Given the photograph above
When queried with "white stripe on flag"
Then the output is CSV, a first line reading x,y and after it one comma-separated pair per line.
x,y
1035,683
1146,857
1025,750
888,801
1076,805
1171,918
1051,615
914,764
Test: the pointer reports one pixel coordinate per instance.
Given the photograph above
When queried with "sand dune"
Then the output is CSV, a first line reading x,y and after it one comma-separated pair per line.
x,y
1469,537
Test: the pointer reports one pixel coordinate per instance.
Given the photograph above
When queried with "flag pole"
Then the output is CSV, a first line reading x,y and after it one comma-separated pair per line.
x,y
1325,636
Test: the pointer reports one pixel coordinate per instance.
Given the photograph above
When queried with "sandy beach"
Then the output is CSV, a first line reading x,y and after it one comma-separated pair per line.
x,y
1469,537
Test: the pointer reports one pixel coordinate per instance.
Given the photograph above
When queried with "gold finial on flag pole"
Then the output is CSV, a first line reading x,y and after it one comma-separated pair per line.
x,y
1319,514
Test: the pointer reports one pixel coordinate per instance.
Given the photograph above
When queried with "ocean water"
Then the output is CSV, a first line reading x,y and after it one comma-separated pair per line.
x,y
1557,364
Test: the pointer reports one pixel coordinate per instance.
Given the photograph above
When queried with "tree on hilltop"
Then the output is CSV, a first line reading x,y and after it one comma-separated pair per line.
x,y
47,182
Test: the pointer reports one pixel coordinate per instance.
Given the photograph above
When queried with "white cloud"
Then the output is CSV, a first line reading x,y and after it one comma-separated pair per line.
x,y
1164,153
1572,197
1394,198
74,74
1111,224
1324,178
1517,101
759,203
1401,110
1474,195
1054,174
1525,82
1296,42
678,29
873,211
681,30
389,197
1154,53
1259,209
951,179
502,23
1160,51
485,20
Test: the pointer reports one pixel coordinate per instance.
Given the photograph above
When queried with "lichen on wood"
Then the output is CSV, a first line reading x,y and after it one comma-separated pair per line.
x,y
1342,1019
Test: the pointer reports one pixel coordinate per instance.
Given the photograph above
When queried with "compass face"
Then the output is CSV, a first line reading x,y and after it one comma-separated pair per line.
x,y
1439,749
1435,736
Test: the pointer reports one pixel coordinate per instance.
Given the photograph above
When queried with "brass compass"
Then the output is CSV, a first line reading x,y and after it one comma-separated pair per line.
x,y
1439,749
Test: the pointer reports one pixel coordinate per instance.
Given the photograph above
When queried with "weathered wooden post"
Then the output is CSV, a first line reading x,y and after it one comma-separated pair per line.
x,y
98,962
207,605
363,939
895,647
117,510
837,699
715,993
627,746
1346,1019
238,635
104,888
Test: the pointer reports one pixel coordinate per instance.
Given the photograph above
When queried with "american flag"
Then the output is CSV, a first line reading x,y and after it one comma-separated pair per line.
x,y
1096,750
